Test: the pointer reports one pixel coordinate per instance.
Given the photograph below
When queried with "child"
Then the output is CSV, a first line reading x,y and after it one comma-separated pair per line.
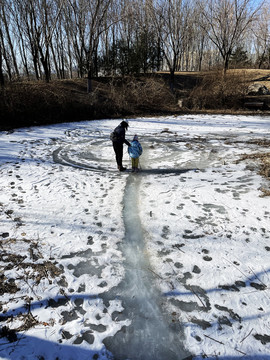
x,y
135,150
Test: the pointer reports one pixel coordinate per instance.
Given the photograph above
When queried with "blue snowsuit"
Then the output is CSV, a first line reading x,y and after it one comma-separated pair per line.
x,y
135,150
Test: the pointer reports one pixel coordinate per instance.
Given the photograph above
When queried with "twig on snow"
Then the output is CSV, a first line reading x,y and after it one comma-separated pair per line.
x,y
209,337
256,276
155,273
178,247
246,336
190,288
241,352
235,266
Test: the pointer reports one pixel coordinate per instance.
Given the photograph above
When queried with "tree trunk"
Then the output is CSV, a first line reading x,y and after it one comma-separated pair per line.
x,y
70,59
45,63
261,59
24,60
226,63
89,81
5,56
172,79
55,60
10,43
2,79
36,66
96,62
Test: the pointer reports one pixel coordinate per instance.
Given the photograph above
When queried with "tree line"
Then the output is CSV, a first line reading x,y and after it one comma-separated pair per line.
x,y
45,39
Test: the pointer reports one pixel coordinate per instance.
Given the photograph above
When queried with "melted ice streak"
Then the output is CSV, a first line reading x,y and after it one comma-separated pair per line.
x,y
152,334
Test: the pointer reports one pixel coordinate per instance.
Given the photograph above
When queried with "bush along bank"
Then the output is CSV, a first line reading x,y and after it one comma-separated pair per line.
x,y
39,103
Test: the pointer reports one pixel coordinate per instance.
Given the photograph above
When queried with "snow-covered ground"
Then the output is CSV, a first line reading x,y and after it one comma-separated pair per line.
x,y
172,261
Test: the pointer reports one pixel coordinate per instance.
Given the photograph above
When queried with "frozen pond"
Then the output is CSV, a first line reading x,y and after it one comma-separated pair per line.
x,y
151,334
168,263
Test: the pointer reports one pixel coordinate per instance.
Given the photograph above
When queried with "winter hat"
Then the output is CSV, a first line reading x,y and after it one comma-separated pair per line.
x,y
125,124
135,138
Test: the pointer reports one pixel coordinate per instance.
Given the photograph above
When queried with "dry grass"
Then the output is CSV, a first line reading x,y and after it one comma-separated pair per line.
x,y
217,91
254,76
249,75
135,95
30,273
36,103
212,91
263,161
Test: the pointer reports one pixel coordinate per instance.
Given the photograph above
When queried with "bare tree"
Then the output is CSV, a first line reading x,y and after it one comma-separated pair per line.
x,y
226,22
261,33
2,79
200,39
49,13
26,19
89,23
18,34
38,19
148,40
4,17
108,40
59,45
171,19
4,53
127,36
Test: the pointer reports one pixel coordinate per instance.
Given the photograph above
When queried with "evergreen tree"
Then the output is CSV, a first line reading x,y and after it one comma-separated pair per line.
x,y
239,58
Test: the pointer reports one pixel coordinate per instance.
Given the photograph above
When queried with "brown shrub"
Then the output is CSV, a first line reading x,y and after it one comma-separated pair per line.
x,y
263,160
36,103
133,95
219,91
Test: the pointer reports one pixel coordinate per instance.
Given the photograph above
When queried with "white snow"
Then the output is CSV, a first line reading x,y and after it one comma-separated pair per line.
x,y
205,225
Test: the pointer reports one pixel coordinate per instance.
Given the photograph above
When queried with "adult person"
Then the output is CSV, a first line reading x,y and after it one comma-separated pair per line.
x,y
118,138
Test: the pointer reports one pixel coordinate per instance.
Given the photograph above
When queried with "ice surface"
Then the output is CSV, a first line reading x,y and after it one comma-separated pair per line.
x,y
151,333
171,261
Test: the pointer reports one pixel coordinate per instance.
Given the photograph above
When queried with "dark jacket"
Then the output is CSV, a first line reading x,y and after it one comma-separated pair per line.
x,y
121,134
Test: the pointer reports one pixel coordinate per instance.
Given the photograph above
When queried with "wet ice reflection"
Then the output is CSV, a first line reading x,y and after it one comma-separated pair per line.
x,y
152,333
